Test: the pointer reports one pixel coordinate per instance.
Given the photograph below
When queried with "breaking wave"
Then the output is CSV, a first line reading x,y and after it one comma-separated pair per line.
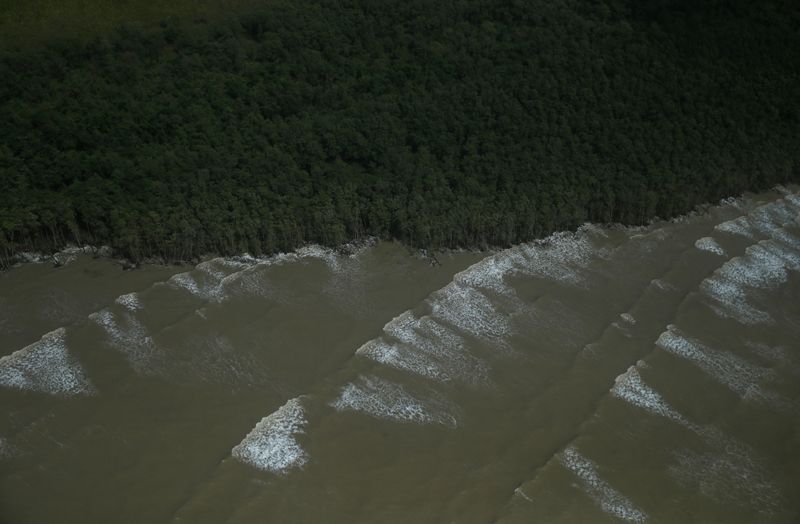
x,y
738,375
272,444
45,366
381,398
609,499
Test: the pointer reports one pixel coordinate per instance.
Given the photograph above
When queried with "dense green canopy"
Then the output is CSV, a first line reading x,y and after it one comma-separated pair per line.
x,y
440,123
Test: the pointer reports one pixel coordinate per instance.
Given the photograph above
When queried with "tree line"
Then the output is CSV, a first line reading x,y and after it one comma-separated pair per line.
x,y
441,124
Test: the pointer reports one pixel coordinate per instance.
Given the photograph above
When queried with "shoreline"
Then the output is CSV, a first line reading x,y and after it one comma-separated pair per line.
x,y
70,252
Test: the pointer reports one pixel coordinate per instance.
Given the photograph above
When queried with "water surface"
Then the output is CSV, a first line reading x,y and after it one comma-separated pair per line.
x,y
611,374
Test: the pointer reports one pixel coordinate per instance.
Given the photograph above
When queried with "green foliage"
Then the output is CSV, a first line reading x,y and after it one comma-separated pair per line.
x,y
443,124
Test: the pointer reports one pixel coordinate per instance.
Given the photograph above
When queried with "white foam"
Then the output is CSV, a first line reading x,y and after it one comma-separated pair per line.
x,y
767,220
490,272
609,499
764,265
789,255
739,226
383,399
32,257
777,356
214,268
402,327
471,305
662,285
793,200
518,491
737,374
641,246
780,234
428,350
562,257
731,302
45,366
242,261
126,331
210,359
7,449
759,267
470,310
66,256
186,281
710,245
776,214
129,301
735,202
250,282
729,472
627,317
208,280
438,347
128,335
591,348
403,358
327,255
272,444
630,387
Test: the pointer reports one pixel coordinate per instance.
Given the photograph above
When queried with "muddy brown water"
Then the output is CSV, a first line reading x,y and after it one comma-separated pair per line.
x,y
608,375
